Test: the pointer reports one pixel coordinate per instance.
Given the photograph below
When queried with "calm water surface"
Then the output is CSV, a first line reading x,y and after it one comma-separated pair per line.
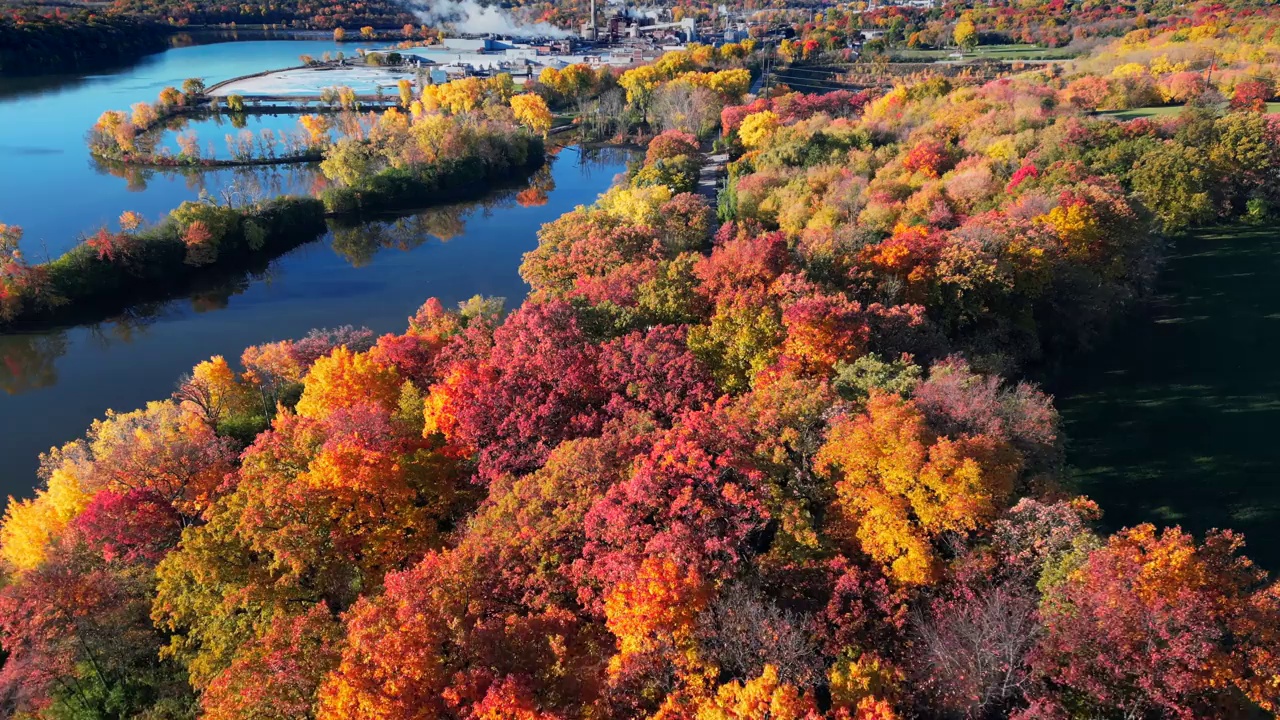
x,y
55,191
215,133
55,383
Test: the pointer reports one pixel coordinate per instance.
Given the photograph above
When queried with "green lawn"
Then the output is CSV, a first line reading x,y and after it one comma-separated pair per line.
x,y
1163,111
988,52
1173,418
1146,112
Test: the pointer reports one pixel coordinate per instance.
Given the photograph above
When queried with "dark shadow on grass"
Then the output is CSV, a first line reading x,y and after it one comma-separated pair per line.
x,y
1176,419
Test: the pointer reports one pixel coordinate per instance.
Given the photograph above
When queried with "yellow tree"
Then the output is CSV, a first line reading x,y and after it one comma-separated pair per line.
x,y
499,88
131,220
654,614
789,50
702,54
143,114
347,98
966,34
212,392
762,698
115,125
640,83
31,526
673,63
550,77
730,84
532,112
758,127
317,129
459,96
170,97
343,380
899,486
576,80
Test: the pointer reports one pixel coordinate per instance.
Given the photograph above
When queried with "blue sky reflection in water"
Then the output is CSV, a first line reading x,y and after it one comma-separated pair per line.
x,y
56,383
55,191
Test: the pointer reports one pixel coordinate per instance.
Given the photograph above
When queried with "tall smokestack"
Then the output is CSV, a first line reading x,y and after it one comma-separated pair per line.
x,y
589,31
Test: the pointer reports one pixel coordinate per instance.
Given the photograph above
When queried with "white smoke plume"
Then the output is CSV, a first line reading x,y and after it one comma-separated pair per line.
x,y
471,18
634,13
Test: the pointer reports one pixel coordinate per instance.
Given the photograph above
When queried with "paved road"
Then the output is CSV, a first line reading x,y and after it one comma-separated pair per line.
x,y
711,176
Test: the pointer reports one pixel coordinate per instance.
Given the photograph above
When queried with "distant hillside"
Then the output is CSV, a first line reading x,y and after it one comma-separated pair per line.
x,y
318,14
34,42
71,37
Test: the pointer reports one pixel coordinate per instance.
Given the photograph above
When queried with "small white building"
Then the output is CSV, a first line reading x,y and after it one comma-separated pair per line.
x,y
467,44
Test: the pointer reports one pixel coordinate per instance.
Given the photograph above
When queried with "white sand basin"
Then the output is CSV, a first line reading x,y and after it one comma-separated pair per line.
x,y
364,79
367,79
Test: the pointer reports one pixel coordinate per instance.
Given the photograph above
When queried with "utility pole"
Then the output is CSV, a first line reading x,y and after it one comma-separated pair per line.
x,y
768,68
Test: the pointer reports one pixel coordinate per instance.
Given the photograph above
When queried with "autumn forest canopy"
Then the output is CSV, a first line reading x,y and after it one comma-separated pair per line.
x,y
766,454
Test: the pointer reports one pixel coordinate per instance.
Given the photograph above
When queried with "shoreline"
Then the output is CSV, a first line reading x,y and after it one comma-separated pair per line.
x,y
85,286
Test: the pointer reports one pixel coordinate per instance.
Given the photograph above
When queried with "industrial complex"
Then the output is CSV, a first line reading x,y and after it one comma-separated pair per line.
x,y
624,40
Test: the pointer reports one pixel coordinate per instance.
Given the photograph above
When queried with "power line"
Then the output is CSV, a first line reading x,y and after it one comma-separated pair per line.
x,y
801,82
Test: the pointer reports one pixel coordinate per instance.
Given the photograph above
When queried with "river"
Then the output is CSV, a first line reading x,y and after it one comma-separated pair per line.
x,y
56,192
1173,420
53,384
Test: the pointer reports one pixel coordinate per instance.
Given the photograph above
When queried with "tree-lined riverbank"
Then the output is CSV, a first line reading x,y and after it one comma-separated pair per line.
x,y
372,273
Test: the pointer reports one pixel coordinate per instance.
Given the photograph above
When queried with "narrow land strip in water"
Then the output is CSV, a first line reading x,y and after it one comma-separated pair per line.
x,y
374,275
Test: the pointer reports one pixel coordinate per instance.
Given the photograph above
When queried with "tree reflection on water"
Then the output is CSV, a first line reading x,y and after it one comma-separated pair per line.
x,y
27,359
245,182
359,242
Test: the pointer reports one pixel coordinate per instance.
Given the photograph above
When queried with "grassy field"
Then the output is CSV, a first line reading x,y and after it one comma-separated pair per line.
x,y
1174,419
1163,111
988,52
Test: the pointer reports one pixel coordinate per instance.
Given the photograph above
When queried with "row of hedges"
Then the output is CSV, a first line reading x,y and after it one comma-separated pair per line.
x,y
154,160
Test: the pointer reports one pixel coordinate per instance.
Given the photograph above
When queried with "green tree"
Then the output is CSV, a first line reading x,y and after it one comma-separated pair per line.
x,y
349,161
193,88
1175,183
1243,153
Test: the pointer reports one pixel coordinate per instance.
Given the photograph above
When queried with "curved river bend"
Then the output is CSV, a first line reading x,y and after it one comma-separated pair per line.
x,y
1171,421
55,191
57,382
54,383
